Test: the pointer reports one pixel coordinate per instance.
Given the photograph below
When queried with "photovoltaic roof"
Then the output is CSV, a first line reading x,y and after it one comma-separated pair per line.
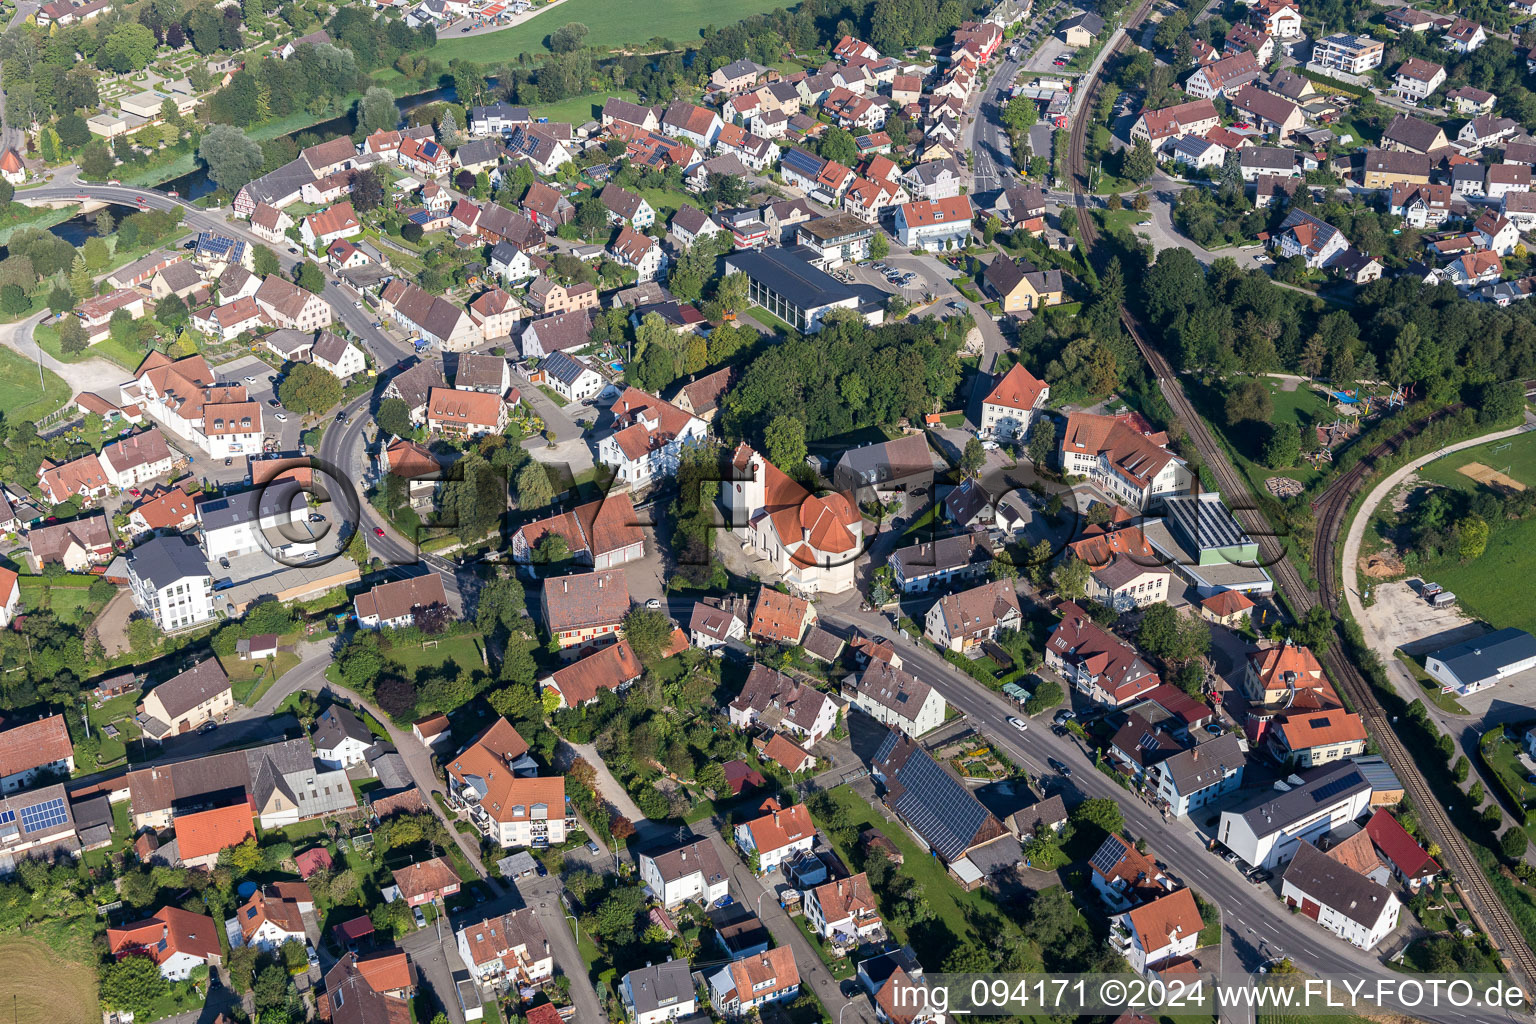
x,y
1205,520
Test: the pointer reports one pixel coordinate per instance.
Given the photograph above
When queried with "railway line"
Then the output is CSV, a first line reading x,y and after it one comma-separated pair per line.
x,y
1331,508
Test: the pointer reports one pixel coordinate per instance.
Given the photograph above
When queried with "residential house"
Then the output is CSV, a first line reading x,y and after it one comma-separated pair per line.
x,y
659,992
895,699
33,750
1412,135
1306,738
455,413
341,739
1506,178
583,609
843,912
74,544
779,834
332,224
1194,778
581,682
639,252
1267,831
944,816
1416,79
433,317
1009,408
1159,934
177,940
1095,661
960,621
1386,168
1346,53
1157,126
718,620
338,356
780,618
691,870
698,125
923,566
1223,77
1342,900
1020,287
1303,235
512,949
546,296
427,881
268,920
1126,573
751,983
1269,112
288,305
1421,206
394,604
186,701
774,700
544,153
648,438
170,582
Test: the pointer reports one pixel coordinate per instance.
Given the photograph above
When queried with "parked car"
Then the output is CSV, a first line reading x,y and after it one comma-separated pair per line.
x,y
421,919
1065,715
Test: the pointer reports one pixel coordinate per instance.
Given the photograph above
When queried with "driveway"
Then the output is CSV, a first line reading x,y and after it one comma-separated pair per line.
x,y
94,374
112,624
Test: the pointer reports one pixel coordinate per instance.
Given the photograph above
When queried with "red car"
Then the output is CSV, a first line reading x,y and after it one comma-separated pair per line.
x,y
378,531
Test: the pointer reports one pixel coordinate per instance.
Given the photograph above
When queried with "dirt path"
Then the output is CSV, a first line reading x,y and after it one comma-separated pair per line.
x,y
112,623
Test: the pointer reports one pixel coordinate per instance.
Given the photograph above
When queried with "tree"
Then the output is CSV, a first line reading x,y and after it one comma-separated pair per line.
x,y
649,632
974,458
394,417
13,300
567,37
1158,633
172,311
1020,114
310,277
128,47
376,111
1283,447
367,190
309,389
143,638
551,549
1071,579
265,262
1250,400
879,246
80,280
132,984
1513,842
1100,813
233,158
785,441
534,489
1472,537
96,253
837,144
72,336
396,696
1042,441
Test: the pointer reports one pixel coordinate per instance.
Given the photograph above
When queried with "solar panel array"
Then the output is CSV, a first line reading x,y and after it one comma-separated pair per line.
x,y
43,816
1335,786
937,807
1108,855
1206,521
6,817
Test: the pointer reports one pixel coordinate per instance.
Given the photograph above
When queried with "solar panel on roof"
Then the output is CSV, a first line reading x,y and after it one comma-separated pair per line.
x,y
1334,787
46,815
1108,855
938,808
6,817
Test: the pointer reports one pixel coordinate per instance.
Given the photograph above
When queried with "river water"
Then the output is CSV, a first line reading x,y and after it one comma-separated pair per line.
x,y
195,183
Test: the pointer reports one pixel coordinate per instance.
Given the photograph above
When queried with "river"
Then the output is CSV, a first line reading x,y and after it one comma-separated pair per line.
x,y
78,228
195,183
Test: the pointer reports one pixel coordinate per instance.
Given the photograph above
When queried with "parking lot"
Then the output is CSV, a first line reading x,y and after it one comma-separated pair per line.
x,y
1045,58
254,374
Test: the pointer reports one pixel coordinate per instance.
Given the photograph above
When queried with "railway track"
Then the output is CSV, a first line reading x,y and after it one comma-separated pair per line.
x,y
1331,508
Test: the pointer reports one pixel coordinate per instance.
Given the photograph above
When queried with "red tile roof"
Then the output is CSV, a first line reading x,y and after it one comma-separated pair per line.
x,y
181,931
32,744
1400,848
1019,389
202,833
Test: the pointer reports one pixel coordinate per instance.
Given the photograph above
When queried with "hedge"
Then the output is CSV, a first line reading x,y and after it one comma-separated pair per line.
x,y
1513,803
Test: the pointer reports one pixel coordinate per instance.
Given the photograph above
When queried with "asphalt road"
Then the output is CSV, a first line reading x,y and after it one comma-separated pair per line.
x,y
1256,923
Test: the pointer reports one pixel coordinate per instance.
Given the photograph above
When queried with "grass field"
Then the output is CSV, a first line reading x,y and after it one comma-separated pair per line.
x,y
583,108
66,602
612,24
45,988
1495,587
463,649
1518,460
947,900
20,395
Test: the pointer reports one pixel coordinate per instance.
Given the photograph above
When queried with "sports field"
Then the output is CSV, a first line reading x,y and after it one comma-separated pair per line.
x,y
44,988
1515,457
612,24
1495,587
